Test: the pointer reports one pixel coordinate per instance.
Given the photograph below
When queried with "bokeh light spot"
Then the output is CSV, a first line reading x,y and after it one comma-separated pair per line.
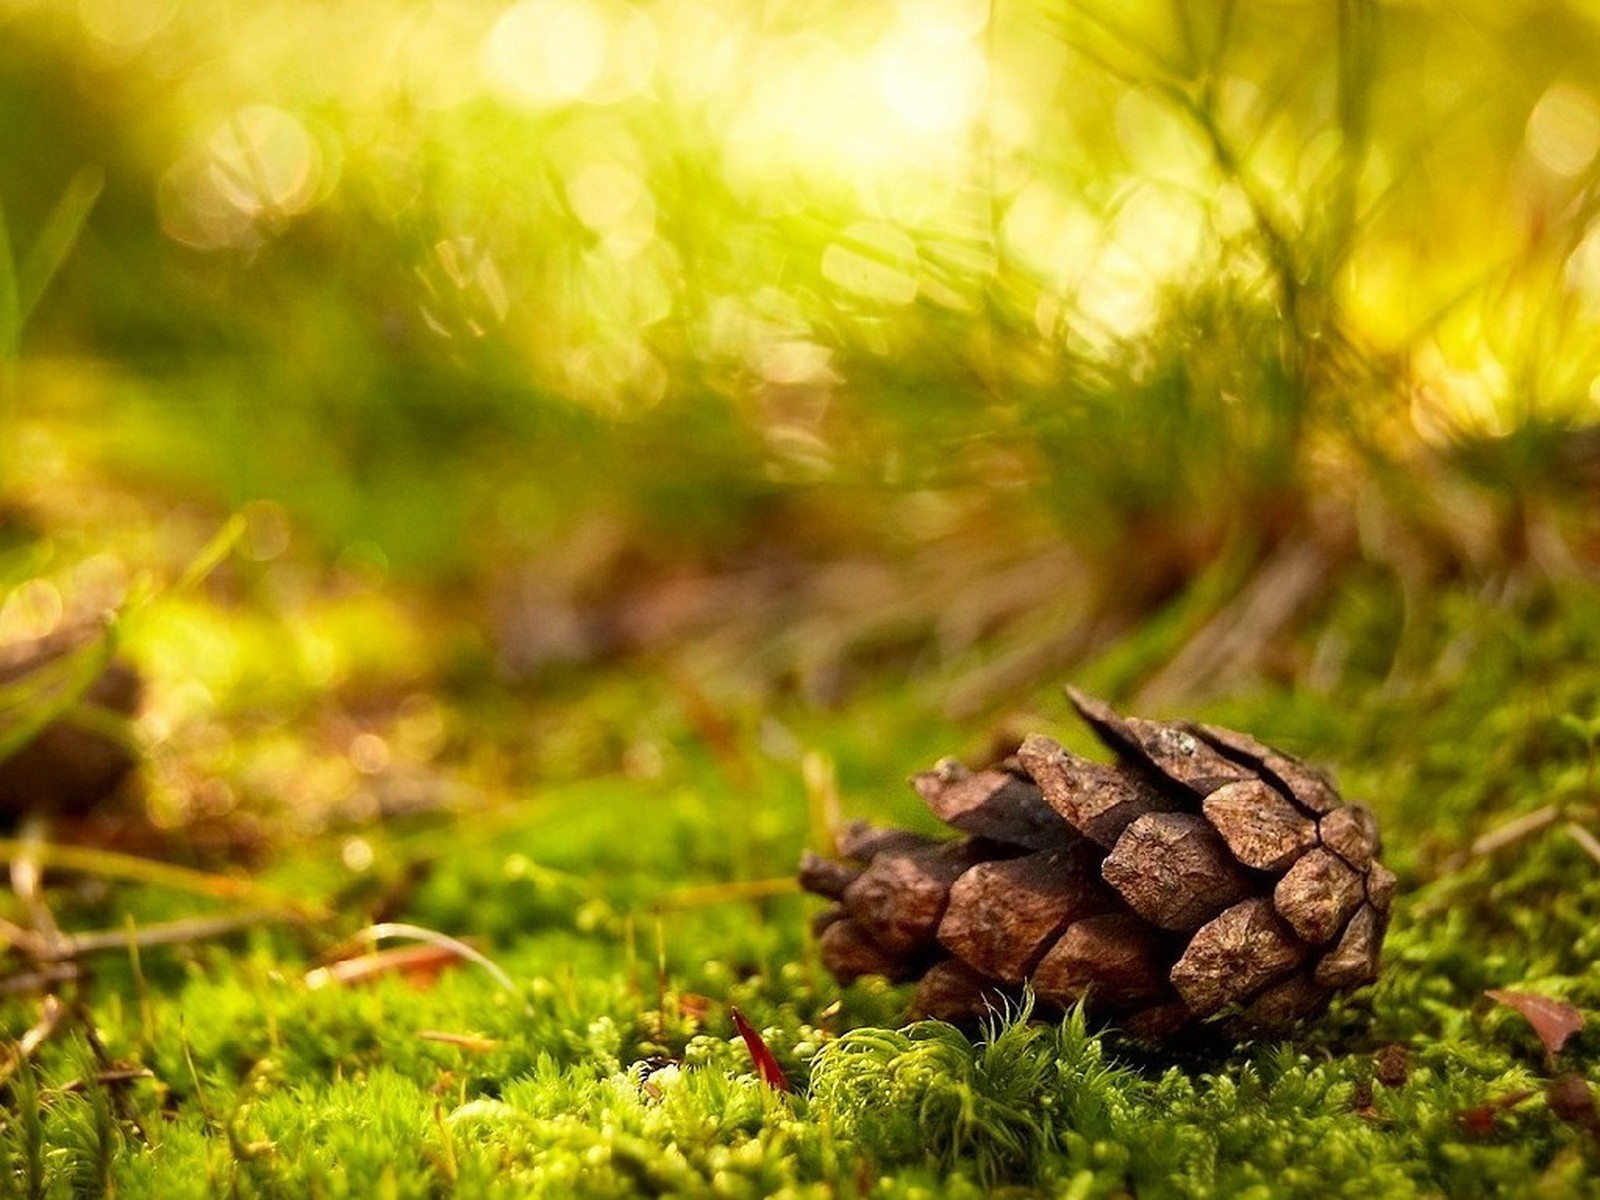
x,y
33,610
613,201
265,162
1563,131
546,52
932,84
125,25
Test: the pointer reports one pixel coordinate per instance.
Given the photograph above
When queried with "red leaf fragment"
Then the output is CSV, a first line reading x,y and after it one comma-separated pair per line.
x,y
1481,1119
760,1053
1553,1020
1571,1098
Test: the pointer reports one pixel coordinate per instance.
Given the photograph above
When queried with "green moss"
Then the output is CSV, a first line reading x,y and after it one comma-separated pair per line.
x,y
598,1077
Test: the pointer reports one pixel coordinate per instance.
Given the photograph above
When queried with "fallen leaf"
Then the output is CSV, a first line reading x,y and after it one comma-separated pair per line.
x,y
760,1053
1553,1020
1480,1119
1572,1099
418,965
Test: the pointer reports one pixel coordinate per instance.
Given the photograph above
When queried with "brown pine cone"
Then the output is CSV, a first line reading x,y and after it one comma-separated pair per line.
x,y
1202,874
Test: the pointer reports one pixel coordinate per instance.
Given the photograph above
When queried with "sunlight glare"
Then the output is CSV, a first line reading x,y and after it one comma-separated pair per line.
x,y
546,52
699,49
945,20
123,26
932,83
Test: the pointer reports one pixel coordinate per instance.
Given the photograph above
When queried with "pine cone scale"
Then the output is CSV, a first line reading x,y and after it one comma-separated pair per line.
x,y
899,899
1004,915
1319,895
1174,870
1097,800
1203,874
1234,956
993,804
1262,829
1309,788
1118,957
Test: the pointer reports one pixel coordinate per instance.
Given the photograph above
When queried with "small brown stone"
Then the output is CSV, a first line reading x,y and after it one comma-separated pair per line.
x,y
900,898
1002,915
993,804
1114,959
1262,828
1318,895
1174,870
1097,800
956,993
1234,956
1392,1065
1351,832
1353,960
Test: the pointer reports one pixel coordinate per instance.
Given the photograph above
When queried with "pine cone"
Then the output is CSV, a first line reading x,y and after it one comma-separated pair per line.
x,y
1203,874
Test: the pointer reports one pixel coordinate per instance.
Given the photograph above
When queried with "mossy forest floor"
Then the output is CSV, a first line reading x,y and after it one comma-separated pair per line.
x,y
616,848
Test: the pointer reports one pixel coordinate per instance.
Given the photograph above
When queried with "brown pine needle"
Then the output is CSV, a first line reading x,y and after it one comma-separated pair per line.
x,y
1590,843
442,943
1515,830
464,1041
45,979
16,937
417,963
50,1013
108,1078
110,864
166,933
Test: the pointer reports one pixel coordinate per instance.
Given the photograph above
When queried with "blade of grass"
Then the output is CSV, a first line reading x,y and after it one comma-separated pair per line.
x,y
113,865
85,666
60,234
211,554
166,933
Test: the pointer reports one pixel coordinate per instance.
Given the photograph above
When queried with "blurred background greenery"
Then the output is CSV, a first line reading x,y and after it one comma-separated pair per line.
x,y
789,342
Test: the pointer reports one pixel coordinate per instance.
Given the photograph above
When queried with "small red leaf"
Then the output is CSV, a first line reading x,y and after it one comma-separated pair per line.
x,y
760,1053
1481,1120
1553,1020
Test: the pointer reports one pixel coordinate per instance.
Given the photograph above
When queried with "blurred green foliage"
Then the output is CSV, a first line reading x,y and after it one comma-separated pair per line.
x,y
442,277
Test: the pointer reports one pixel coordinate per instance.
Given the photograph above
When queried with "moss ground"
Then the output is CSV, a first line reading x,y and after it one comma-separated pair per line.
x,y
613,901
